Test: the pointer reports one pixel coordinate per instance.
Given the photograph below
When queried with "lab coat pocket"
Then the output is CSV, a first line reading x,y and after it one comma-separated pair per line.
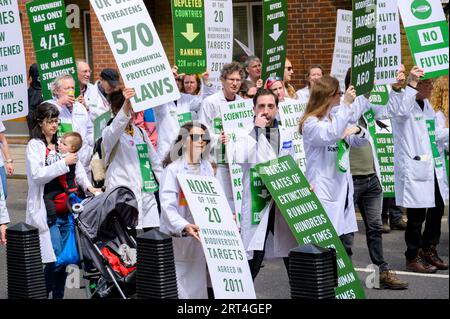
x,y
419,170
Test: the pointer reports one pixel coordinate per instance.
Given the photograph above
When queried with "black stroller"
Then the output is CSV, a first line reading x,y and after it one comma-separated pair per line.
x,y
108,220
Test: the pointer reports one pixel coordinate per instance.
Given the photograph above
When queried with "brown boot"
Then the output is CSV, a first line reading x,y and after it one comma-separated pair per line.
x,y
389,280
431,256
419,265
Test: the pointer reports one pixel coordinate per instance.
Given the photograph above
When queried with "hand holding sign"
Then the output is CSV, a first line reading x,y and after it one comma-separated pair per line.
x,y
192,230
350,95
415,75
401,77
128,93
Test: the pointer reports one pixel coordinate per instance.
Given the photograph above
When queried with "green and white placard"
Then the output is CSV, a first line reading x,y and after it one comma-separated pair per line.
x,y
364,45
138,52
427,31
220,238
342,56
13,72
237,120
290,115
52,43
381,133
219,37
389,53
188,20
100,123
307,218
275,21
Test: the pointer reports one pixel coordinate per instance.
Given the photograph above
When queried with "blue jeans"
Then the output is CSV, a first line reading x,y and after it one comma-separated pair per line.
x,y
4,182
55,277
368,196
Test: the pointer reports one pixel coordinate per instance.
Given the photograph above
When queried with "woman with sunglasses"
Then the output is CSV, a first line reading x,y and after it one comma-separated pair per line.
x,y
171,116
189,155
287,79
327,138
44,164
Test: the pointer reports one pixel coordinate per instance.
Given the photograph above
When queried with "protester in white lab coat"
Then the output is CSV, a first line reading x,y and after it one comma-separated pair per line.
x,y
189,155
73,116
133,162
97,96
253,67
327,136
231,77
265,142
419,173
171,116
44,164
287,79
315,72
276,85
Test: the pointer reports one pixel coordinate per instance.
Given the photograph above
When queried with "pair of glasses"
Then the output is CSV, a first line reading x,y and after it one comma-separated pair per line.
x,y
199,137
289,68
234,80
341,94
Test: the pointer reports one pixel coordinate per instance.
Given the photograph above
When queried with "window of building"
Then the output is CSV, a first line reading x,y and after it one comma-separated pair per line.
x,y
248,29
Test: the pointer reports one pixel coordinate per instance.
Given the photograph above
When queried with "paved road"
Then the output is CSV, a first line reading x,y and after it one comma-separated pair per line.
x,y
272,281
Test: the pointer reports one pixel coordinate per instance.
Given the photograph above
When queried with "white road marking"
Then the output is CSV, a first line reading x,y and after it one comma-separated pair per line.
x,y
406,273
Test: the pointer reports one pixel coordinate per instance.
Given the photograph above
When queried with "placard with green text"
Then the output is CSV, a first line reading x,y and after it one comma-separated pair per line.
x,y
364,45
52,43
188,20
307,218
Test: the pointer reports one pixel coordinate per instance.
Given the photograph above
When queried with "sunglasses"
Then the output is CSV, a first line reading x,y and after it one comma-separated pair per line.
x,y
289,68
199,137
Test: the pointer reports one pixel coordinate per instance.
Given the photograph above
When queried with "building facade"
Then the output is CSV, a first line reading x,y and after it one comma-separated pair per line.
x,y
311,35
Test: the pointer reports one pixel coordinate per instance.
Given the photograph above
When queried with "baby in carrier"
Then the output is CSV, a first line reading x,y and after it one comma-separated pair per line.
x,y
57,192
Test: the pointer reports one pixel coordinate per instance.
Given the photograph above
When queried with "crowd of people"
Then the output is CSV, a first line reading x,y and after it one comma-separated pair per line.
x,y
342,165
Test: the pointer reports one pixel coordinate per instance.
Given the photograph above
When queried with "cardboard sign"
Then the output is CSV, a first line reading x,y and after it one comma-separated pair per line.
x,y
220,238
237,119
219,37
138,52
188,19
290,115
389,53
307,218
13,73
275,20
427,31
52,43
342,56
364,45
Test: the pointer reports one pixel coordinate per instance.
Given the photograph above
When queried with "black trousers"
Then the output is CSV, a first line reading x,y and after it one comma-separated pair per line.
x,y
258,255
432,217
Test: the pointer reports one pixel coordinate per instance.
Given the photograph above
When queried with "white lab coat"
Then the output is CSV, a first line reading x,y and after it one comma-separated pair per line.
x,y
38,175
248,152
4,216
81,123
125,169
304,94
166,117
333,188
210,110
190,260
414,180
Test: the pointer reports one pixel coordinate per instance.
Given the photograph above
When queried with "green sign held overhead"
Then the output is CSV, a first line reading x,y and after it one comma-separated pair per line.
x,y
275,38
307,218
427,32
364,45
189,36
52,43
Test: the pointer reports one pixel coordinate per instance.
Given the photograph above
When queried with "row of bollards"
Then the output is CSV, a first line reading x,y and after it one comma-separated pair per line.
x,y
312,269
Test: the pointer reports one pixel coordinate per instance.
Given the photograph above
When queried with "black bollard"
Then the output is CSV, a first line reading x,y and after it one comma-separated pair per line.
x,y
155,277
24,263
312,272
